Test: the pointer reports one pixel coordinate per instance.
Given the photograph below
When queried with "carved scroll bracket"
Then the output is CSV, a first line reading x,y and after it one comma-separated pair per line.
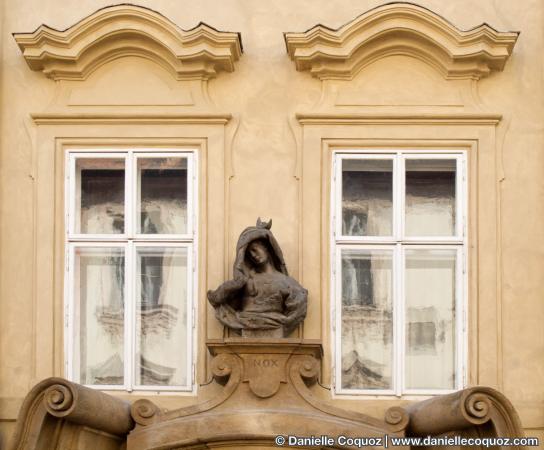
x,y
269,382
56,409
265,363
468,408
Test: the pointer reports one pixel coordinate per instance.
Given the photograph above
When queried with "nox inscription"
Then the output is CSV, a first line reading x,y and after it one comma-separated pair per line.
x,y
264,372
265,363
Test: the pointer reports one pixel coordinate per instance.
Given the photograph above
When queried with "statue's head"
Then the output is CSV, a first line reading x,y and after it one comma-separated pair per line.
x,y
258,252
256,247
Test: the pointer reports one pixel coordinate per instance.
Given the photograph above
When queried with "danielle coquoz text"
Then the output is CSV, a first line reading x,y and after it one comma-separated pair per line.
x,y
387,441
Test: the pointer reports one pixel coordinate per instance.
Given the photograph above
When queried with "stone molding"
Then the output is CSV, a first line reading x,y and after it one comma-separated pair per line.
x,y
398,119
400,29
128,30
469,408
136,119
57,414
270,382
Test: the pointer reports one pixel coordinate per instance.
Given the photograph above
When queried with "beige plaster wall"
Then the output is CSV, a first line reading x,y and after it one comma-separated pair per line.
x,y
264,172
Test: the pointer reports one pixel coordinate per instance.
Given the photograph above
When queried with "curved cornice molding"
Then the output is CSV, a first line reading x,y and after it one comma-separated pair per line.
x,y
400,29
128,30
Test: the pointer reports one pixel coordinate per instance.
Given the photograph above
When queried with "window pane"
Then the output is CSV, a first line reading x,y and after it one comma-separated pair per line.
x,y
430,197
367,319
100,195
161,316
430,319
99,311
367,197
162,188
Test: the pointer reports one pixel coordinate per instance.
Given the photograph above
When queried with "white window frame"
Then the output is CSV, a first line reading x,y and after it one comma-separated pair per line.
x,y
130,241
397,243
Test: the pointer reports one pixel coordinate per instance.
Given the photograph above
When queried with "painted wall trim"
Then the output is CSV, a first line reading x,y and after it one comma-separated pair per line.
x,y
163,119
418,119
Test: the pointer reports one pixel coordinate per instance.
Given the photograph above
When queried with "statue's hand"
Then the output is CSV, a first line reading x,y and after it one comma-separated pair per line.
x,y
213,298
289,319
227,291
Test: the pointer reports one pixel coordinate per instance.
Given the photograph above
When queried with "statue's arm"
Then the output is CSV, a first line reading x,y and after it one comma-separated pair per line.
x,y
296,304
227,291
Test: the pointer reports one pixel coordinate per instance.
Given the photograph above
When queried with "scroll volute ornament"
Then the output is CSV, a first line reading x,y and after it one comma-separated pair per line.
x,y
56,410
400,29
129,30
471,407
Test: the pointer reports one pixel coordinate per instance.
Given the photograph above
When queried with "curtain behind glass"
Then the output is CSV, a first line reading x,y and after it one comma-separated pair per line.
x,y
99,290
367,319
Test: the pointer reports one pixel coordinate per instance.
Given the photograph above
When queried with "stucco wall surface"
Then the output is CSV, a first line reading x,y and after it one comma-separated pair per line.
x,y
265,172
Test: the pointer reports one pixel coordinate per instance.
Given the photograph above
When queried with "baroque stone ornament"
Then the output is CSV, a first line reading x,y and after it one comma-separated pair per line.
x,y
400,29
261,300
129,30
258,390
58,414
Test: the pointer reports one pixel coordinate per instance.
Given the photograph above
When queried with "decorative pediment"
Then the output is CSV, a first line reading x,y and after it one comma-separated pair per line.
x,y
400,29
261,390
128,30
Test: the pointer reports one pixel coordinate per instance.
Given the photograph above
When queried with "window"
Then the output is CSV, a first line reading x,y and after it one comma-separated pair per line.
x,y
131,240
399,249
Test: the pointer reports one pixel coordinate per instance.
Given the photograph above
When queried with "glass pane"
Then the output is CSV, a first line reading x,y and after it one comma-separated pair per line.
x,y
161,316
162,190
367,197
367,319
99,314
100,195
430,197
430,319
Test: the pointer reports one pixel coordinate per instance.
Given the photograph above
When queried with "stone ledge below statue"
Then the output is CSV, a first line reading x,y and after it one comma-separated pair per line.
x,y
265,361
267,344
275,333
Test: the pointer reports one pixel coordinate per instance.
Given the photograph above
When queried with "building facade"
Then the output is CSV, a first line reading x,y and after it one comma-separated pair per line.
x,y
397,147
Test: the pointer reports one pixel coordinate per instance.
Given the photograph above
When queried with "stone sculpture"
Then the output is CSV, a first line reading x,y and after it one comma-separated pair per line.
x,y
261,300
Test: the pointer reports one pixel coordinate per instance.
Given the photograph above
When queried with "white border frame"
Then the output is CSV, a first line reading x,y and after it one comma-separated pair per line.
x,y
71,175
460,200
397,242
459,314
70,307
190,319
188,236
129,240
338,207
338,318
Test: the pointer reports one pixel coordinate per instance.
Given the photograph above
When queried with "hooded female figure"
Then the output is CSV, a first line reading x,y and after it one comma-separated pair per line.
x,y
262,295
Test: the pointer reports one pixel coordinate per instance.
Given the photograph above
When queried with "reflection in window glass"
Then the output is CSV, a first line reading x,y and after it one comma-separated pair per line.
x,y
367,197
162,189
430,197
367,319
100,195
161,316
99,292
430,319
